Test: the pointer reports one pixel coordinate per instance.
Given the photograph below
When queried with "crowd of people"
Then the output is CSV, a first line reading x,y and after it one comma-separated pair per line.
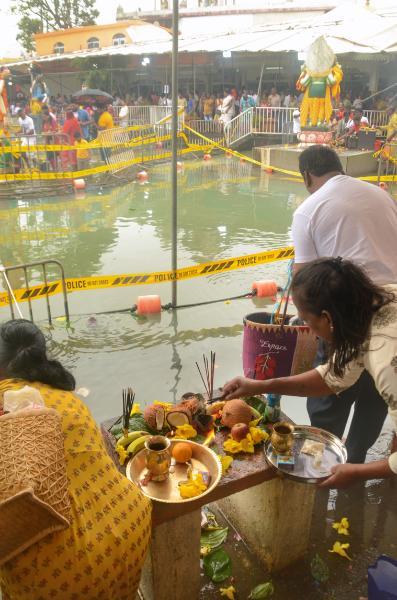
x,y
58,118
72,125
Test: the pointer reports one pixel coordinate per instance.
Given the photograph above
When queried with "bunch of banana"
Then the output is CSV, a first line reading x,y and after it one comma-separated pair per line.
x,y
129,445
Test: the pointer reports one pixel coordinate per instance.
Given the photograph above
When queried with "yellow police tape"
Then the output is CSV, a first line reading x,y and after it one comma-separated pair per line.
x,y
112,281
150,138
39,175
242,156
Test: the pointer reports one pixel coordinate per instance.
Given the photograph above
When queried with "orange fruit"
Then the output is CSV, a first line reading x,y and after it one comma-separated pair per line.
x,y
182,452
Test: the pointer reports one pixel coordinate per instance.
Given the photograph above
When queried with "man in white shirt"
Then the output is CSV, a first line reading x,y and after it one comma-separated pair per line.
x,y
356,220
26,123
227,108
274,98
123,114
358,114
28,135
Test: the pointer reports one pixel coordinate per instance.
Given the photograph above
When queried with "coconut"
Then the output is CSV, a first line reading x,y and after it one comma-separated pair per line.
x,y
193,402
236,411
178,416
154,416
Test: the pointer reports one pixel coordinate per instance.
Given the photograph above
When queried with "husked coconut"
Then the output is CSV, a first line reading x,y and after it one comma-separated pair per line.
x,y
193,402
154,416
236,411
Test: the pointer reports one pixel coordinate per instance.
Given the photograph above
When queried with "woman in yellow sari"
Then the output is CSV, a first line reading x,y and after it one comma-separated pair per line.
x,y
101,555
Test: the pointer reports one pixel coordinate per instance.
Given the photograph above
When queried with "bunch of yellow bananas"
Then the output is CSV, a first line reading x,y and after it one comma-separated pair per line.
x,y
130,444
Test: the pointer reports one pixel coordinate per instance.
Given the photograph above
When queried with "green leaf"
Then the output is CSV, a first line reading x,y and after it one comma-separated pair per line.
x,y
319,569
138,423
117,431
262,591
257,403
217,565
214,537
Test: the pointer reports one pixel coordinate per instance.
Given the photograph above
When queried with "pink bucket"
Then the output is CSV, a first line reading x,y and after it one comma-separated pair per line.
x,y
271,351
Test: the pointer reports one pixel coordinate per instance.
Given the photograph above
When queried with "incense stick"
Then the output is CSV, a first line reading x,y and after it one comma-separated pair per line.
x,y
209,369
128,402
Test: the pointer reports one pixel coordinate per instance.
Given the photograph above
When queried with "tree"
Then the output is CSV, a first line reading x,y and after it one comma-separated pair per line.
x,y
27,28
51,15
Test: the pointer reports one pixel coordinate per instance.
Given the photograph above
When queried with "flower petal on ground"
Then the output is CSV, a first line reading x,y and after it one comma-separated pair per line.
x,y
340,549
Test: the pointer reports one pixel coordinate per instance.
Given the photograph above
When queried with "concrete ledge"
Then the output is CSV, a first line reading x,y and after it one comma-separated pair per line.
x,y
274,518
355,163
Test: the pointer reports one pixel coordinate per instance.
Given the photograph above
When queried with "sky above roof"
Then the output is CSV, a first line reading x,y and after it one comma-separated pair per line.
x,y
9,47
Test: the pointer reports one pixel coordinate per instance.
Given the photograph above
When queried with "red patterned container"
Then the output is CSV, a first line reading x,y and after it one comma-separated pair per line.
x,y
276,350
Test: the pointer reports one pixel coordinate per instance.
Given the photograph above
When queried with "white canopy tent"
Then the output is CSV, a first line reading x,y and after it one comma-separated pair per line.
x,y
347,28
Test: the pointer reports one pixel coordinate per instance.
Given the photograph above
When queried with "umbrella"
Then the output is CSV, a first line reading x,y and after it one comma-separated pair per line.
x,y
91,96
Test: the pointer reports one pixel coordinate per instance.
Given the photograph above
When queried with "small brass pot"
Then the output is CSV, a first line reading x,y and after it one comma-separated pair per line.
x,y
158,457
282,438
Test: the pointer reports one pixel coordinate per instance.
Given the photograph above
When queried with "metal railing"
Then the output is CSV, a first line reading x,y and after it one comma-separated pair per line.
x,y
114,148
43,292
266,120
239,127
376,118
212,130
20,153
271,120
147,115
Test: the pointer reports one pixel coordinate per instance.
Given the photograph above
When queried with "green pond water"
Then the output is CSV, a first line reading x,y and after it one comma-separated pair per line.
x,y
226,208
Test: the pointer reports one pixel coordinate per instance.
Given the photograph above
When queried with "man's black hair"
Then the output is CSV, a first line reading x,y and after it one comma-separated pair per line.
x,y
319,160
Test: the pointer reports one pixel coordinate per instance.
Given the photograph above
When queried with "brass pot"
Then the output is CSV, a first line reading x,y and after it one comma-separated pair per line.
x,y
282,437
158,457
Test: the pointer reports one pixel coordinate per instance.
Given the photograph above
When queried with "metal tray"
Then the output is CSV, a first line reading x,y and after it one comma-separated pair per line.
x,y
304,471
203,459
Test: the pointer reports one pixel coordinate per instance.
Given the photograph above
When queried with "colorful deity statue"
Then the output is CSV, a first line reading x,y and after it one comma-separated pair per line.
x,y
320,81
4,73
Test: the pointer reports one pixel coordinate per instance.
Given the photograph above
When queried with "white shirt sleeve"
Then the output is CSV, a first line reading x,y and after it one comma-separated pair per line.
x,y
339,384
305,250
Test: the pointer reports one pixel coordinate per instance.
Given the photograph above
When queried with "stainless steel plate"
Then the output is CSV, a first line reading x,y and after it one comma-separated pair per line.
x,y
304,469
203,459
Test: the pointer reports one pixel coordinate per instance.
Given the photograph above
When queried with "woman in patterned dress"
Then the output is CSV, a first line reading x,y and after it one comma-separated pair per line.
x,y
101,555
358,319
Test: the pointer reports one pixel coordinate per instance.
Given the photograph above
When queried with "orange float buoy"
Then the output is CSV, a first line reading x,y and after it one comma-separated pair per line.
x,y
269,170
229,155
79,184
179,165
142,175
242,159
383,185
207,157
148,305
159,145
265,288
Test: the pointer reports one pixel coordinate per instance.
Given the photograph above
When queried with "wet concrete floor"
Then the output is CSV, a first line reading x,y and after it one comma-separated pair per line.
x,y
372,512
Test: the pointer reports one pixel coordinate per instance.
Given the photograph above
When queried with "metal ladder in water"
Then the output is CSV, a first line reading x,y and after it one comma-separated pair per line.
x,y
29,294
